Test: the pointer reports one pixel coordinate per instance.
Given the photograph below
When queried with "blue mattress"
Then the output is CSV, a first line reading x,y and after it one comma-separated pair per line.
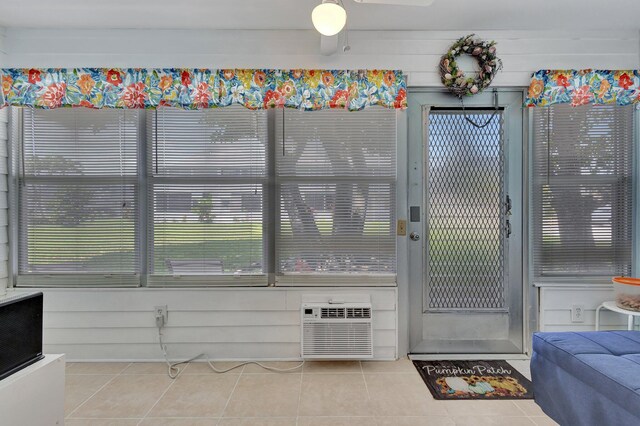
x,y
589,378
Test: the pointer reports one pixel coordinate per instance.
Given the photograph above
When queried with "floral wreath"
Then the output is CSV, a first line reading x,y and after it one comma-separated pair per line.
x,y
484,52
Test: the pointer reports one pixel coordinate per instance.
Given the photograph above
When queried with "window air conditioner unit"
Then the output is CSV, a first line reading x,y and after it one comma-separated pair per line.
x,y
336,331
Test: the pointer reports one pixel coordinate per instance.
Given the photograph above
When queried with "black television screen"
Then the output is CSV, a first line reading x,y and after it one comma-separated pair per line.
x,y
20,332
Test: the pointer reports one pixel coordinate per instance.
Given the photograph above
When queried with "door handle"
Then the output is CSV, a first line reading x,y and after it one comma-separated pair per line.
x,y
414,236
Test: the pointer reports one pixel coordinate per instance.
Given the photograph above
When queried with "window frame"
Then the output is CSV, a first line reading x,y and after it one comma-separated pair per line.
x,y
586,280
147,218
335,279
144,183
15,176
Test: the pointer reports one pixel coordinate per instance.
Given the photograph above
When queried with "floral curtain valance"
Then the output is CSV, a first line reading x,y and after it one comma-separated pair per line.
x,y
584,87
202,88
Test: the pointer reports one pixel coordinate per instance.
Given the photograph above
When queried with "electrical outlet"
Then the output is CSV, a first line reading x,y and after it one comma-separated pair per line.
x,y
577,313
161,314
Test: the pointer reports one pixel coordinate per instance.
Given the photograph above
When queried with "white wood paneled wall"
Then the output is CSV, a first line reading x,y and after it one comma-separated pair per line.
x,y
4,119
556,303
225,323
264,323
3,51
4,247
416,52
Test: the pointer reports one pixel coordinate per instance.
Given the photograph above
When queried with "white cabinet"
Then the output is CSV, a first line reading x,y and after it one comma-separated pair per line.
x,y
34,396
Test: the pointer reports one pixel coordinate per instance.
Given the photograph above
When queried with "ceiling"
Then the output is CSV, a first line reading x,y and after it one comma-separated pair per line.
x,y
296,14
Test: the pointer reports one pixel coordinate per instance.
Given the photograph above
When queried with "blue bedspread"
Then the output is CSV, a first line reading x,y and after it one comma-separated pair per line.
x,y
588,378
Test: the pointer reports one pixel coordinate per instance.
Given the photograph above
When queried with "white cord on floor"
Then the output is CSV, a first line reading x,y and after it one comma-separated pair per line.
x,y
266,367
174,371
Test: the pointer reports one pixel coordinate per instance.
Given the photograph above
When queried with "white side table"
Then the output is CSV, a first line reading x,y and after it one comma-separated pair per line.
x,y
611,306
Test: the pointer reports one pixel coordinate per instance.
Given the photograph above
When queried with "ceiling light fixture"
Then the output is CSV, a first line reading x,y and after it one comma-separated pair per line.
x,y
329,17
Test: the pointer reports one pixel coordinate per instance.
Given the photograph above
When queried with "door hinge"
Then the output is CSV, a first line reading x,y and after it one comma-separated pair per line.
x,y
508,228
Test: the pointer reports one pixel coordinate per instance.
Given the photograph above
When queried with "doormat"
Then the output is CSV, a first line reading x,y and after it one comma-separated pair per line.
x,y
474,380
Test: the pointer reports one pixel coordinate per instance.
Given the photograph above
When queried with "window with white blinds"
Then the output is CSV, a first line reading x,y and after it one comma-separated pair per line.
x,y
77,197
582,198
207,177
204,197
336,181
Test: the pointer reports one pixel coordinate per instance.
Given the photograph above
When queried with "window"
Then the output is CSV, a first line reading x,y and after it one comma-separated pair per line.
x,y
219,196
582,196
336,179
208,174
77,191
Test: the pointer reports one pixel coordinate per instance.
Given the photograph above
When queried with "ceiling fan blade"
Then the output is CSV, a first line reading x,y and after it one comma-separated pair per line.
x,y
398,2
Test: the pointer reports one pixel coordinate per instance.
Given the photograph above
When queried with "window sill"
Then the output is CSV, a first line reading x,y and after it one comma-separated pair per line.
x,y
575,284
337,280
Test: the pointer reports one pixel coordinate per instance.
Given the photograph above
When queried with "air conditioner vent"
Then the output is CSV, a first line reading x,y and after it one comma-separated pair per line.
x,y
327,313
359,313
336,332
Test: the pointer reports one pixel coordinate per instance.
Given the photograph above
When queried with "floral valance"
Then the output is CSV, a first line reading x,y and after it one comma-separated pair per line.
x,y
202,88
584,87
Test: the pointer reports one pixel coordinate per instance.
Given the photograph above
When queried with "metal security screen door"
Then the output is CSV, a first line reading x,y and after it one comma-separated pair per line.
x,y
466,254
465,212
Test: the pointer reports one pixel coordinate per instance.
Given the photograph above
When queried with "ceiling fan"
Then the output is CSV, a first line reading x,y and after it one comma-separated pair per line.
x,y
330,17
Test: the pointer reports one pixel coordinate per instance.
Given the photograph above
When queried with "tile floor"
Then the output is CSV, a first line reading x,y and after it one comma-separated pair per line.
x,y
322,393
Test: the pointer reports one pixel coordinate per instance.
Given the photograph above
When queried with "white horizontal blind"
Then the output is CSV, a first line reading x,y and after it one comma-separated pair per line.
x,y
336,180
77,191
582,191
208,173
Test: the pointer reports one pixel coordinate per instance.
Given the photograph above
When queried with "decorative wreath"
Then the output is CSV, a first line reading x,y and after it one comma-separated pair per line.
x,y
488,63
